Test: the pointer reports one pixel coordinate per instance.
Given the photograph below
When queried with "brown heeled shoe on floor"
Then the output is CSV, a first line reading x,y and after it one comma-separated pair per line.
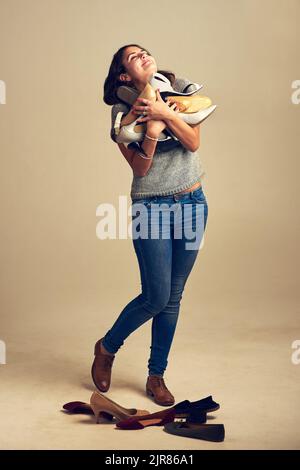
x,y
80,407
103,406
156,388
101,368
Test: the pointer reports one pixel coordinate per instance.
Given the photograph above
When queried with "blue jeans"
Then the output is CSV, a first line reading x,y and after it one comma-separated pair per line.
x,y
166,258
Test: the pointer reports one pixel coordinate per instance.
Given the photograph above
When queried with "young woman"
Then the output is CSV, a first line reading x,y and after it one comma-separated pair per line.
x,y
171,181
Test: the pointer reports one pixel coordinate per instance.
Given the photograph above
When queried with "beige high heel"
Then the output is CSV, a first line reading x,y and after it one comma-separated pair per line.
x,y
147,93
106,408
190,104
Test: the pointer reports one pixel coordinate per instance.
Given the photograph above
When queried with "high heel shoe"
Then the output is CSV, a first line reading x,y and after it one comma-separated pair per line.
x,y
103,406
157,80
79,407
160,418
135,132
188,104
124,93
182,409
197,117
155,419
192,412
192,110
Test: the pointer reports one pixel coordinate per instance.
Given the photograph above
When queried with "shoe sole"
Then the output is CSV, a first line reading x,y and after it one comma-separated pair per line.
x,y
209,410
205,432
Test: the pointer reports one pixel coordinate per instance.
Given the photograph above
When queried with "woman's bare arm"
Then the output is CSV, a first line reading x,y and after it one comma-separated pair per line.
x,y
140,165
188,134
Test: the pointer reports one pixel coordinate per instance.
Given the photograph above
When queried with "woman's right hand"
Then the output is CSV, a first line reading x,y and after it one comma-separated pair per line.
x,y
156,126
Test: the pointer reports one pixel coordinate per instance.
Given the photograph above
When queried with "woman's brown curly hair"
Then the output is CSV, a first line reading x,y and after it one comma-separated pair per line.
x,y
112,81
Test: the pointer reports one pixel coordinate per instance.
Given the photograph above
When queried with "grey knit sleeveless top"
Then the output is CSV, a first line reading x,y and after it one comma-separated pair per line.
x,y
171,171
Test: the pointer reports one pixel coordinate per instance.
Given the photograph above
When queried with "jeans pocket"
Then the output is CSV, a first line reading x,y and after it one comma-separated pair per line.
x,y
199,196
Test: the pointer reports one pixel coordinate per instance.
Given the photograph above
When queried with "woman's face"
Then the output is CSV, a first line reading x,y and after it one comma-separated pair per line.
x,y
139,65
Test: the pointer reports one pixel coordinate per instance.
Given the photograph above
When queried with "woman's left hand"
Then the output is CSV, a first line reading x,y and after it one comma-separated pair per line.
x,y
158,109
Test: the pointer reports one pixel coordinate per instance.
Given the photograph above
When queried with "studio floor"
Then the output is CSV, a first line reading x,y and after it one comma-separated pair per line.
x,y
245,365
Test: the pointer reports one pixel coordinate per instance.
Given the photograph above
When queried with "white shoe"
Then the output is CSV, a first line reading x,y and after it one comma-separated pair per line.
x,y
199,116
135,132
158,80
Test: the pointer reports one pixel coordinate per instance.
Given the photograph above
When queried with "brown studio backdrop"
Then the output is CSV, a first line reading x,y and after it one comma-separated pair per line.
x,y
58,163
